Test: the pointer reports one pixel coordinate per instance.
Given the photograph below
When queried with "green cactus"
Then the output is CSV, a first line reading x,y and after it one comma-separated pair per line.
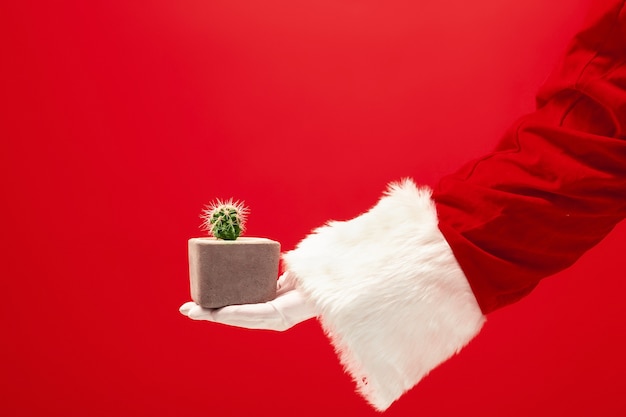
x,y
225,219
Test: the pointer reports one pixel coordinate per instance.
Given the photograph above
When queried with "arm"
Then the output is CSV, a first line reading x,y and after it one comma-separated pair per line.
x,y
402,287
556,183
394,297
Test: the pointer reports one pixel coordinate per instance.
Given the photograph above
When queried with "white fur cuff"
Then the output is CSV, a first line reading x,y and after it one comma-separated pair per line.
x,y
389,292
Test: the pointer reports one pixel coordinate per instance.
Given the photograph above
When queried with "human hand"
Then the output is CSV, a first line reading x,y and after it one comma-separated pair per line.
x,y
289,308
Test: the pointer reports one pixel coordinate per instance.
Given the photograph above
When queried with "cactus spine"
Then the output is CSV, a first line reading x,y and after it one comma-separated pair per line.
x,y
225,219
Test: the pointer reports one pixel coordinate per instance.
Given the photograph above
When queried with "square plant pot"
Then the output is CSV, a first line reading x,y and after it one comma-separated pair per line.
x,y
227,272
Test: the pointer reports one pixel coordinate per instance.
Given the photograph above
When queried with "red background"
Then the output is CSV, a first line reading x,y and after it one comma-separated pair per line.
x,y
120,120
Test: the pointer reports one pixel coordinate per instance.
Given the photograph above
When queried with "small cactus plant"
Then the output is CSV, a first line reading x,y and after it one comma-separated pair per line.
x,y
225,269
225,219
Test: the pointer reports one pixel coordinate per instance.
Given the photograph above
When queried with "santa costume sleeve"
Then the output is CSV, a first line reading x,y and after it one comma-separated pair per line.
x,y
404,286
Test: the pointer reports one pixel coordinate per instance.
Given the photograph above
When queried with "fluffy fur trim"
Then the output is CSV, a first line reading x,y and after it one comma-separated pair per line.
x,y
389,292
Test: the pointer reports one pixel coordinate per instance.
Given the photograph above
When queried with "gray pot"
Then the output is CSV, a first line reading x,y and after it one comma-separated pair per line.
x,y
226,272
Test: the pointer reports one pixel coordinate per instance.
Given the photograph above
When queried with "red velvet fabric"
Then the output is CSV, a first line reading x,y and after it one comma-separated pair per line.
x,y
556,183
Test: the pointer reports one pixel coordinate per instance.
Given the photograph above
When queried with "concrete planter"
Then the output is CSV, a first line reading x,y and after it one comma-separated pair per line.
x,y
226,272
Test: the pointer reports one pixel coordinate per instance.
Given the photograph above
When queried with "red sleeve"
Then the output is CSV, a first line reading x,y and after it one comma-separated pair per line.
x,y
556,183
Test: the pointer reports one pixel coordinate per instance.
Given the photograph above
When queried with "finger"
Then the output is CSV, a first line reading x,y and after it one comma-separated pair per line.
x,y
286,282
198,313
184,309
251,316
